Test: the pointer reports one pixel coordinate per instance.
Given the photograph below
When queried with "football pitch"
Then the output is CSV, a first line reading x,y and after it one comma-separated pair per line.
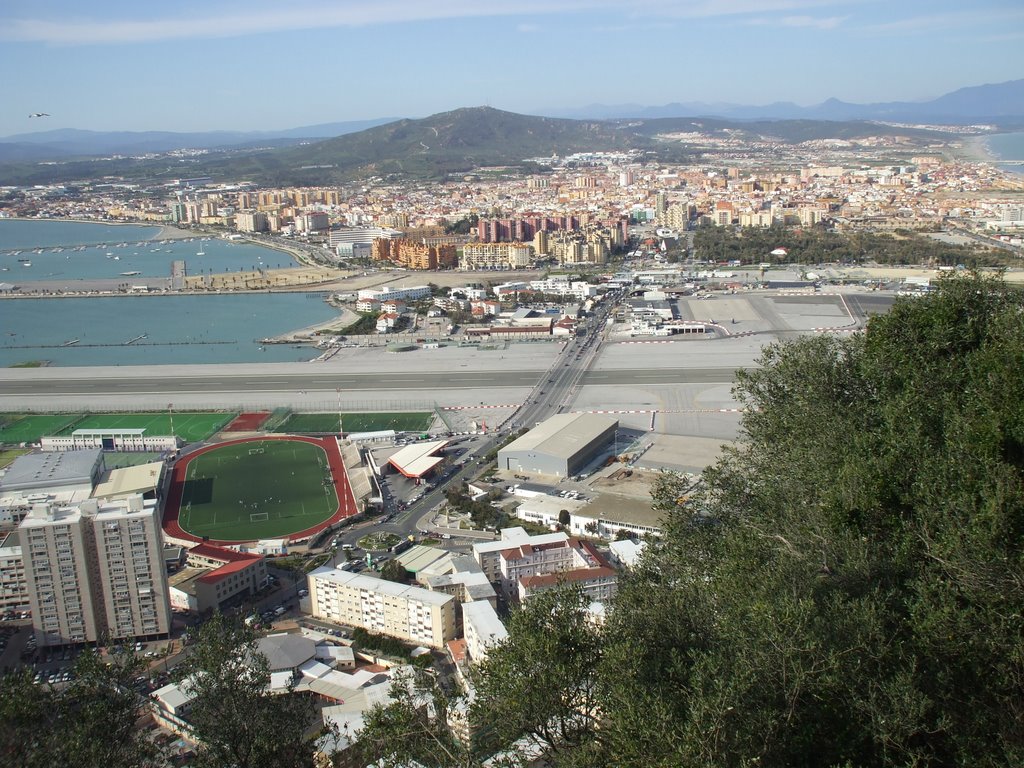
x,y
191,427
327,423
257,489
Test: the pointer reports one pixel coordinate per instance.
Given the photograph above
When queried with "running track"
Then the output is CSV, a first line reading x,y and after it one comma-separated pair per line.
x,y
346,501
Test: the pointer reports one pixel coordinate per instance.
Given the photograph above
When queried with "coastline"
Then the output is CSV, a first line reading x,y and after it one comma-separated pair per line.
x,y
975,149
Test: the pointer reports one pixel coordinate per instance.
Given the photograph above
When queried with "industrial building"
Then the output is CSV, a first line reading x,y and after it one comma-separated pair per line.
x,y
46,478
560,446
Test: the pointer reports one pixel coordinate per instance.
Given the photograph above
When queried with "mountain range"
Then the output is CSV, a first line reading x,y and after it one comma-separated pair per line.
x,y
1000,103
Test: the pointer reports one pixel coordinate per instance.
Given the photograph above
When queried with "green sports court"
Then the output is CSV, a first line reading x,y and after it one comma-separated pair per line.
x,y
253,489
327,423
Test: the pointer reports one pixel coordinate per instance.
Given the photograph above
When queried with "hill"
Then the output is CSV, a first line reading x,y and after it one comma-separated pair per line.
x,y
437,146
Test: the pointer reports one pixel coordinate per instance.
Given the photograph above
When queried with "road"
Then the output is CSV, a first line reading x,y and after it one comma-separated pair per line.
x,y
21,381
551,395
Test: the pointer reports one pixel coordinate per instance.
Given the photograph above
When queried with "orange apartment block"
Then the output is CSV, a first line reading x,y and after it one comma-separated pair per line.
x,y
413,255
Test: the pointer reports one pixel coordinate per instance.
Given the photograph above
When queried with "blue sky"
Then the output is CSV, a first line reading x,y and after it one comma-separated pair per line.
x,y
267,64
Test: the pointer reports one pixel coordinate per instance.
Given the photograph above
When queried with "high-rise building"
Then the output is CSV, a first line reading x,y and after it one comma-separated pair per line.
x,y
95,572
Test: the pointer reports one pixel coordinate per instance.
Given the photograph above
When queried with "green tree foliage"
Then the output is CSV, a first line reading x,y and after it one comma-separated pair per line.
x,y
541,683
817,245
392,570
412,729
90,723
847,589
843,588
238,722
463,226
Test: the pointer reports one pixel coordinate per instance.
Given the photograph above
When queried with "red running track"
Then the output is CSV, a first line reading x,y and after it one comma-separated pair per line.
x,y
346,499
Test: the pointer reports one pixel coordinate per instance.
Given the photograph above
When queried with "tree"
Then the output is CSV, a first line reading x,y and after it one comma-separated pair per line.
x,y
540,684
563,517
90,723
412,728
392,570
846,588
236,720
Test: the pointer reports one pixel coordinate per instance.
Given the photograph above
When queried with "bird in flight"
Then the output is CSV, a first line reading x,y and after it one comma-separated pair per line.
x,y
39,114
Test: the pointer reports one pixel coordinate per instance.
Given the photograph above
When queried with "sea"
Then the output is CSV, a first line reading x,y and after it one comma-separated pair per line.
x,y
59,251
143,330
1007,146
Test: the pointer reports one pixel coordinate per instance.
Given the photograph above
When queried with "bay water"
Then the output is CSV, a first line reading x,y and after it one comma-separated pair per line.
x,y
1005,147
143,330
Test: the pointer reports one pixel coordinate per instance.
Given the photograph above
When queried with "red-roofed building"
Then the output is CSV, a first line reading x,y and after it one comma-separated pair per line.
x,y
527,567
216,577
599,584
419,459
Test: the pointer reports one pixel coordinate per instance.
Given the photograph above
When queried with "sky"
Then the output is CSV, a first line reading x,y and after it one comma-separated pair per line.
x,y
265,64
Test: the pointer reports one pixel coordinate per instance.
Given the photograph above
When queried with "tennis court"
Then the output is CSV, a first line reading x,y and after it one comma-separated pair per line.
x,y
327,423
190,426
256,489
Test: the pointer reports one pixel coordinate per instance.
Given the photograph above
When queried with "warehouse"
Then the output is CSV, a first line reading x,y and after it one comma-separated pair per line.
x,y
560,446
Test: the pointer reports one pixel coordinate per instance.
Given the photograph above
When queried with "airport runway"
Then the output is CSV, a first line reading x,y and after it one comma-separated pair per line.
x,y
317,381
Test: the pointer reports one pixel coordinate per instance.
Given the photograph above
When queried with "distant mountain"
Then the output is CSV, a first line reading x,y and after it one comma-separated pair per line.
x,y
1001,103
452,143
72,142
435,146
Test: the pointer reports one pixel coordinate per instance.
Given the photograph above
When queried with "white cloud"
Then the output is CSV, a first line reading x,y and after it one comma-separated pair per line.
x,y
828,22
222,21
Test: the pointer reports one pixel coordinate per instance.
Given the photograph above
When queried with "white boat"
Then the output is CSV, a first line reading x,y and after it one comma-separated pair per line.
x,y
26,263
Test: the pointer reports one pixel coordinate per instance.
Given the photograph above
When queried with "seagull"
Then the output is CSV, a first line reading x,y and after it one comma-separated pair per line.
x,y
39,114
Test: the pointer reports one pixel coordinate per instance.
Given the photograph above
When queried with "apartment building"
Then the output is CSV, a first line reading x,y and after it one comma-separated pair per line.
x,y
13,587
482,629
411,614
414,255
496,256
522,565
251,221
95,572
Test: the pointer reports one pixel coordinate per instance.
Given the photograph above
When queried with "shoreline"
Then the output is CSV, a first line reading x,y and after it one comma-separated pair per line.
x,y
975,149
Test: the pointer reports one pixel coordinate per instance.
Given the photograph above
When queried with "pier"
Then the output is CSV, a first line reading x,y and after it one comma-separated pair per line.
x,y
158,242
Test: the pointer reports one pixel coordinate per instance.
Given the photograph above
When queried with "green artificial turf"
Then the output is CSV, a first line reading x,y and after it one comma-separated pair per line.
x,y
236,493
327,423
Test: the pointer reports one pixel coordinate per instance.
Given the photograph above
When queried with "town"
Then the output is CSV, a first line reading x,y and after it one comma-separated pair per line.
x,y
511,313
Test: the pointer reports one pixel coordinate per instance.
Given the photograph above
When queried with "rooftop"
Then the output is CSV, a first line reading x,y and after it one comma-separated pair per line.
x,y
417,459
138,479
51,469
381,586
563,435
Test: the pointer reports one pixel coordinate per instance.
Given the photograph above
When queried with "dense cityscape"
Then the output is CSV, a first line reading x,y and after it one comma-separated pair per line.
x,y
490,439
